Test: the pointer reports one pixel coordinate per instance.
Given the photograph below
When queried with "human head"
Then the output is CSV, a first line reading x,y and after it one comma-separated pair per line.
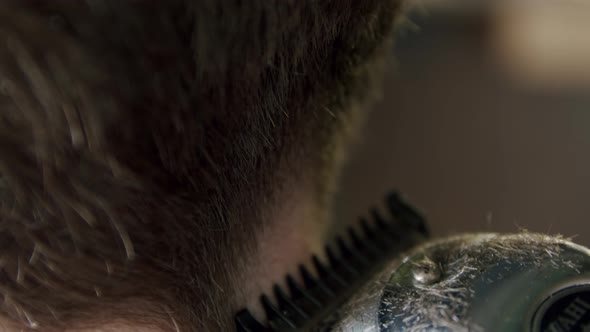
x,y
153,153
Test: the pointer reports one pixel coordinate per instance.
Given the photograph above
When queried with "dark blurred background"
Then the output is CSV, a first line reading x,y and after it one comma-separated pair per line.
x,y
485,121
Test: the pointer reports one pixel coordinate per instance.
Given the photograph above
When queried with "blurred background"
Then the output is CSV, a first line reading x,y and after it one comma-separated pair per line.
x,y
485,120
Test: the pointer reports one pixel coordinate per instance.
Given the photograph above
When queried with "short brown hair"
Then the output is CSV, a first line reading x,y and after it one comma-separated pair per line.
x,y
139,138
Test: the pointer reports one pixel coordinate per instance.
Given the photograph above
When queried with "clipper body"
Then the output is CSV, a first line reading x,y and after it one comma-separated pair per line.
x,y
479,282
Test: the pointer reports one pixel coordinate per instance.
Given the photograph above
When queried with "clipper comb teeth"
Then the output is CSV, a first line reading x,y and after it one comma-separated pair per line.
x,y
348,264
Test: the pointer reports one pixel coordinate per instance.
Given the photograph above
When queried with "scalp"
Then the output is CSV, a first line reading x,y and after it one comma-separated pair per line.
x,y
137,139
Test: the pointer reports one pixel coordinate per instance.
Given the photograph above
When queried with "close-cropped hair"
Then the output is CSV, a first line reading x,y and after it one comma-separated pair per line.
x,y
141,141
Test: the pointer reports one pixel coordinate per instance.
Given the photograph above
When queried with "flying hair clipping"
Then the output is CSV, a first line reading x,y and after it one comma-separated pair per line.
x,y
350,260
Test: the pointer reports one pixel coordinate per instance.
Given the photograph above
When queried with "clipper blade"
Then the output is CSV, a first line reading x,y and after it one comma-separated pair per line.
x,y
350,260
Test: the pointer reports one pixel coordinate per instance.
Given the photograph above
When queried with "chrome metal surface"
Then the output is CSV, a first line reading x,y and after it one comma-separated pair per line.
x,y
479,282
